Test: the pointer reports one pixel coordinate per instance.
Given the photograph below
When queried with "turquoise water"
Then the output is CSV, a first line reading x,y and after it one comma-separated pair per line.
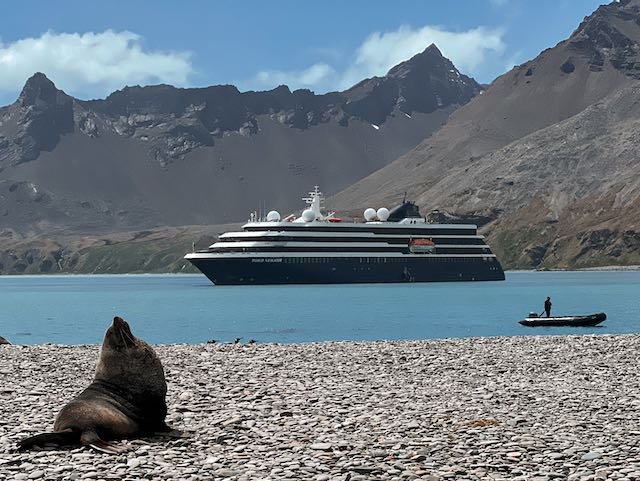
x,y
189,309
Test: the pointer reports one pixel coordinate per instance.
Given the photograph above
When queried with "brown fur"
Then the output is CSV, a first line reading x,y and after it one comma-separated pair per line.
x,y
126,398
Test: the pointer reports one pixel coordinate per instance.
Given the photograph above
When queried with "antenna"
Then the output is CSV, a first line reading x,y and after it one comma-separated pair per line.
x,y
405,197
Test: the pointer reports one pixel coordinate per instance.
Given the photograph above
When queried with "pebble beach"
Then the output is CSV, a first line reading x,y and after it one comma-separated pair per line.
x,y
511,408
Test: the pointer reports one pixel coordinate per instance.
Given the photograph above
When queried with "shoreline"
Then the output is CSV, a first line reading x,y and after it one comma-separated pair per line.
x,y
222,344
633,268
517,408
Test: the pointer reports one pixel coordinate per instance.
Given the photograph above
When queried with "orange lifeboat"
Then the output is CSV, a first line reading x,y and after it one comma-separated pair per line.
x,y
421,246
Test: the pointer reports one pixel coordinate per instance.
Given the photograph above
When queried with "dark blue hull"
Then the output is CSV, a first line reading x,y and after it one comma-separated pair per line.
x,y
341,270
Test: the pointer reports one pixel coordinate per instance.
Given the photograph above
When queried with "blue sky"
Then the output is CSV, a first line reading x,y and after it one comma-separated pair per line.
x,y
92,48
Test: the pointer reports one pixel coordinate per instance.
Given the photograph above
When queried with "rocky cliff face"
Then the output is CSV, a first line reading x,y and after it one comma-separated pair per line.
x,y
405,88
160,155
40,116
546,155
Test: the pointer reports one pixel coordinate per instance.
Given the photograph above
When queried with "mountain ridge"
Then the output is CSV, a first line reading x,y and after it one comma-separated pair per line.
x,y
528,156
128,160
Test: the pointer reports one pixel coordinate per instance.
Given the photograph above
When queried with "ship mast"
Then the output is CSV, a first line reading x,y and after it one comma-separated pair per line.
x,y
315,200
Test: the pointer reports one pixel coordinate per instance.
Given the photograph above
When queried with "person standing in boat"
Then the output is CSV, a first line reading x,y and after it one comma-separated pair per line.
x,y
547,306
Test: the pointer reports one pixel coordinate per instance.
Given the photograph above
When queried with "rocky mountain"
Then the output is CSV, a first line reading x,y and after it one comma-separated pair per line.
x,y
546,158
160,155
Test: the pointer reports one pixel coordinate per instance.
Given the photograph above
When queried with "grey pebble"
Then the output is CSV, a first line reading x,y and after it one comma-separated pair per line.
x,y
474,409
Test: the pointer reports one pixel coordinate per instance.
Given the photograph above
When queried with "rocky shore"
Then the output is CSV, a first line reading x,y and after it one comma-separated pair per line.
x,y
518,408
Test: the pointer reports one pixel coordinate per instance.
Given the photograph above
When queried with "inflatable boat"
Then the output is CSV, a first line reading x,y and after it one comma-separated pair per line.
x,y
534,320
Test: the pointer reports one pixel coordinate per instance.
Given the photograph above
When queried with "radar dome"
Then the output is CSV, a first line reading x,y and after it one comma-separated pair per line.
x,y
383,214
308,215
370,214
273,216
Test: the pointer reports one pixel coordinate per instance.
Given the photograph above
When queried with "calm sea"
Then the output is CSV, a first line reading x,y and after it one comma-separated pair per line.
x,y
189,309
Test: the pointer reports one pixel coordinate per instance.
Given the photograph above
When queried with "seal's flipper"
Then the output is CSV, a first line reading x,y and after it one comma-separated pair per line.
x,y
60,438
165,430
91,439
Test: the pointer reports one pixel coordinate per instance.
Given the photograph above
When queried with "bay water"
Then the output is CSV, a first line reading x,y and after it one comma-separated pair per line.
x,y
169,309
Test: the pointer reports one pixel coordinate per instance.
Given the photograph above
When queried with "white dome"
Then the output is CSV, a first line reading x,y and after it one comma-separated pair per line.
x,y
383,214
273,216
370,214
308,215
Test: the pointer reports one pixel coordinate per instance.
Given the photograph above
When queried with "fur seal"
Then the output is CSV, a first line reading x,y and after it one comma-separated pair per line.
x,y
125,400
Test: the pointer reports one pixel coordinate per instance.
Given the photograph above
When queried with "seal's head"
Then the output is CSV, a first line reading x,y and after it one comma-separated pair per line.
x,y
119,336
129,362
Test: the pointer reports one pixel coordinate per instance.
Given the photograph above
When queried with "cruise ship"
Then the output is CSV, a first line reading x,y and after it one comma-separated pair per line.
x,y
397,245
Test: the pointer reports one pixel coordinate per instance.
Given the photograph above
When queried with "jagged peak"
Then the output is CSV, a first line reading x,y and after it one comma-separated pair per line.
x,y
429,57
433,49
625,9
610,36
38,88
37,79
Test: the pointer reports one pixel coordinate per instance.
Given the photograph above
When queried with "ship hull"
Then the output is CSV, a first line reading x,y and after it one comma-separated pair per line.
x,y
344,270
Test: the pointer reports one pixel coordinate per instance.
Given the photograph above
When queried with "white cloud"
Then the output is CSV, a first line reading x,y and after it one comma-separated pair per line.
x,y
468,50
318,75
93,63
